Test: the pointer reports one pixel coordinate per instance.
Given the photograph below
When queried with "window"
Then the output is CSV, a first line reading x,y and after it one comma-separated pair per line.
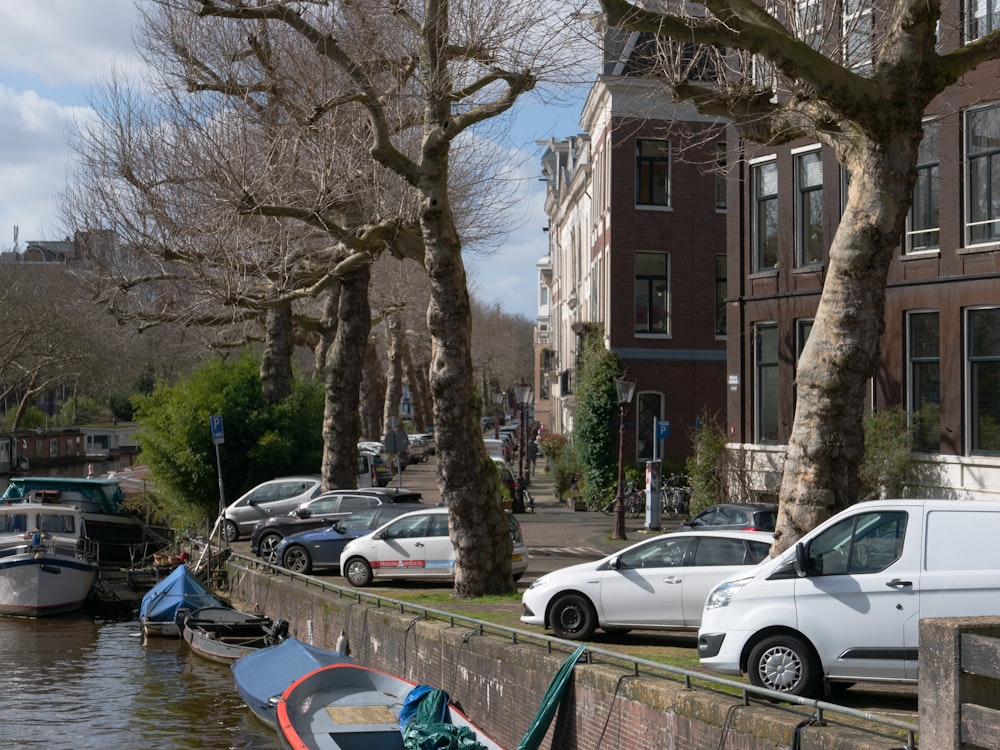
x,y
857,36
924,360
649,407
720,295
652,173
983,169
984,379
982,17
665,552
922,231
720,177
766,386
809,209
764,238
810,22
865,543
652,293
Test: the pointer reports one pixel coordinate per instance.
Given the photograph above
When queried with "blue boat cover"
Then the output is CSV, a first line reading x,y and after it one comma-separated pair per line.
x,y
178,590
267,673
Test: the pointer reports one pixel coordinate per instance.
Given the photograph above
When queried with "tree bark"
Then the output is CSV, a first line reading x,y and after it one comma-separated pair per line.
x,y
276,359
341,417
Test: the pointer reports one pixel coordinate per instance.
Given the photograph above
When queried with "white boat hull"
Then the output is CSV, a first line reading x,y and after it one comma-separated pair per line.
x,y
37,585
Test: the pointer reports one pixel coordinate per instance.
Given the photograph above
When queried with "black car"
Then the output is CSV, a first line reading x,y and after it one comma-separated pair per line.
x,y
321,548
322,511
745,516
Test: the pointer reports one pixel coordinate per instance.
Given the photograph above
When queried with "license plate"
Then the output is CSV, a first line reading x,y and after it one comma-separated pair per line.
x,y
515,558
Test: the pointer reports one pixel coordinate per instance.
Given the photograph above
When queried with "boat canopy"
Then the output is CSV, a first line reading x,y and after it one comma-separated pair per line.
x,y
90,494
179,590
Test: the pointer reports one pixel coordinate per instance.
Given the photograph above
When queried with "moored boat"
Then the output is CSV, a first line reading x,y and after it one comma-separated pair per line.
x,y
121,536
262,676
164,606
347,706
224,634
47,563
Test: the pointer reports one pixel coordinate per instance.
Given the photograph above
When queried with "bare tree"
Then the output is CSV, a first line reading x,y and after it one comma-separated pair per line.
x,y
464,62
778,75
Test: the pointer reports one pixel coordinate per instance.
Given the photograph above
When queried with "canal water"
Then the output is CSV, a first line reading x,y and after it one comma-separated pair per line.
x,y
73,683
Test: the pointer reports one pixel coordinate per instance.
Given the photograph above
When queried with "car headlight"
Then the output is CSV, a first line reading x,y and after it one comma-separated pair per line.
x,y
539,582
724,593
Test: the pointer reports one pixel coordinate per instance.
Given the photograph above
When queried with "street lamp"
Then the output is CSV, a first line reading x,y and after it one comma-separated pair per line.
x,y
497,403
625,389
522,392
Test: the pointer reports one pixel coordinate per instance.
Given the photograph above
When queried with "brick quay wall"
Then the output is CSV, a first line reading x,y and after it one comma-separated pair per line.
x,y
500,681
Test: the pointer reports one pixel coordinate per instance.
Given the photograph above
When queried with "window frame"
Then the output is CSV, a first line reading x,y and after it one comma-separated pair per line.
x,y
764,225
975,362
649,281
918,360
808,199
648,167
981,231
766,388
927,186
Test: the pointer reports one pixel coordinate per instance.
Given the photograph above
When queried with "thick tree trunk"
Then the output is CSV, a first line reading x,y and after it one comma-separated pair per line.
x,y
826,446
372,394
469,485
341,416
276,360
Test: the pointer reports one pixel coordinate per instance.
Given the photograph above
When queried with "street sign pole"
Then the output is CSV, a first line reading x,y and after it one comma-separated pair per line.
x,y
218,437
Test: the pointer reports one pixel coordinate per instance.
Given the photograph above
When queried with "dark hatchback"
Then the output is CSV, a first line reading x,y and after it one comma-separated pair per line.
x,y
321,548
322,511
744,516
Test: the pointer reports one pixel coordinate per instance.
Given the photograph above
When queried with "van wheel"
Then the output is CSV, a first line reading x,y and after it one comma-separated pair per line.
x,y
573,617
785,663
358,572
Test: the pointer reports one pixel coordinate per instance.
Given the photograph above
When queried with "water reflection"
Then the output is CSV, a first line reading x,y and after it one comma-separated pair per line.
x,y
72,683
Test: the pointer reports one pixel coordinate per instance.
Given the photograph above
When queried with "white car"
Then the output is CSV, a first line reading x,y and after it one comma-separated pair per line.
x,y
660,584
415,545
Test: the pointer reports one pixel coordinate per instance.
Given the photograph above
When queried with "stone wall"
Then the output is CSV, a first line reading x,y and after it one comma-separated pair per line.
x,y
500,683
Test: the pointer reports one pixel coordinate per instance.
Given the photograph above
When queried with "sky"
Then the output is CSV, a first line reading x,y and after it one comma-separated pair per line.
x,y
55,51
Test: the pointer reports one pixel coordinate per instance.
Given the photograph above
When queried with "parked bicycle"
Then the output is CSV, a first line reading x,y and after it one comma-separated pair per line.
x,y
634,499
675,495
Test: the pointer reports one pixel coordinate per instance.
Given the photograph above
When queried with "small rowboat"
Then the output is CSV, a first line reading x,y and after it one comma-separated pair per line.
x,y
262,676
347,706
224,634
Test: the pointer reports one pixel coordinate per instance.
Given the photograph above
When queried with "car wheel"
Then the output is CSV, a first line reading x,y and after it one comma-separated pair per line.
x,y
573,617
297,560
785,663
358,572
231,530
269,546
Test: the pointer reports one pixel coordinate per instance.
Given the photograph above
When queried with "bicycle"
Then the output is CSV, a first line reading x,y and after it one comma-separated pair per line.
x,y
675,495
634,500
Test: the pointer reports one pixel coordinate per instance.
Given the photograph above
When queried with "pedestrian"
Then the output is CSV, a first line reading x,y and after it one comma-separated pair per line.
x,y
532,456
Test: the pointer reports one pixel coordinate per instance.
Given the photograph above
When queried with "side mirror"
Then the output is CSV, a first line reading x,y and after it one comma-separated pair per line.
x,y
801,560
614,562
303,512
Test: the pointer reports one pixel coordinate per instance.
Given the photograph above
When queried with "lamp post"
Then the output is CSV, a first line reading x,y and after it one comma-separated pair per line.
x,y
522,392
625,389
497,403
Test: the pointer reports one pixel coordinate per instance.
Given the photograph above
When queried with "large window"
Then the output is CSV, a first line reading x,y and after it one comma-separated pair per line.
x,y
983,169
652,293
764,182
652,173
809,209
766,385
923,344
649,408
923,232
981,17
984,379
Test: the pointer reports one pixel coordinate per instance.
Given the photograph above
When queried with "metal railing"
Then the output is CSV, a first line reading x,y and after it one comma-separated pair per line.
x,y
690,678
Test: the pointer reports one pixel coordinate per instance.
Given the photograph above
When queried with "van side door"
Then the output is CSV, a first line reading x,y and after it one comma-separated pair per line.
x,y
859,595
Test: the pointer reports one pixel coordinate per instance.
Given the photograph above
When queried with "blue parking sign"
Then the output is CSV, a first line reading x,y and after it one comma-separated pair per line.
x,y
662,429
216,423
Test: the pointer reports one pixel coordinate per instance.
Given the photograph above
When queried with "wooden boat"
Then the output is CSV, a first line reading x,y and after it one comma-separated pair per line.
x,y
347,706
164,606
224,634
47,562
263,675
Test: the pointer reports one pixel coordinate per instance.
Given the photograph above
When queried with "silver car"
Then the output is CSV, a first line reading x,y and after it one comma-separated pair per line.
x,y
273,498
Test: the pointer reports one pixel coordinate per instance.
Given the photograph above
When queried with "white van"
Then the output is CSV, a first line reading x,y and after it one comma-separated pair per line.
x,y
843,605
495,448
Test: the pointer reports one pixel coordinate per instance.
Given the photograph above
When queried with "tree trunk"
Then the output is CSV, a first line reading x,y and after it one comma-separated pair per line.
x,y
826,446
276,360
394,372
341,416
372,394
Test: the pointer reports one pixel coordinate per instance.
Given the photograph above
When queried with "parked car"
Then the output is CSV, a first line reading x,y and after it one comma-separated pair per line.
x,y
305,551
383,474
844,604
415,545
429,438
272,498
322,511
745,516
660,583
417,450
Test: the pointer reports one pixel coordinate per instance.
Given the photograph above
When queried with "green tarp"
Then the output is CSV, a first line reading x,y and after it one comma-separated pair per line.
x,y
550,703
